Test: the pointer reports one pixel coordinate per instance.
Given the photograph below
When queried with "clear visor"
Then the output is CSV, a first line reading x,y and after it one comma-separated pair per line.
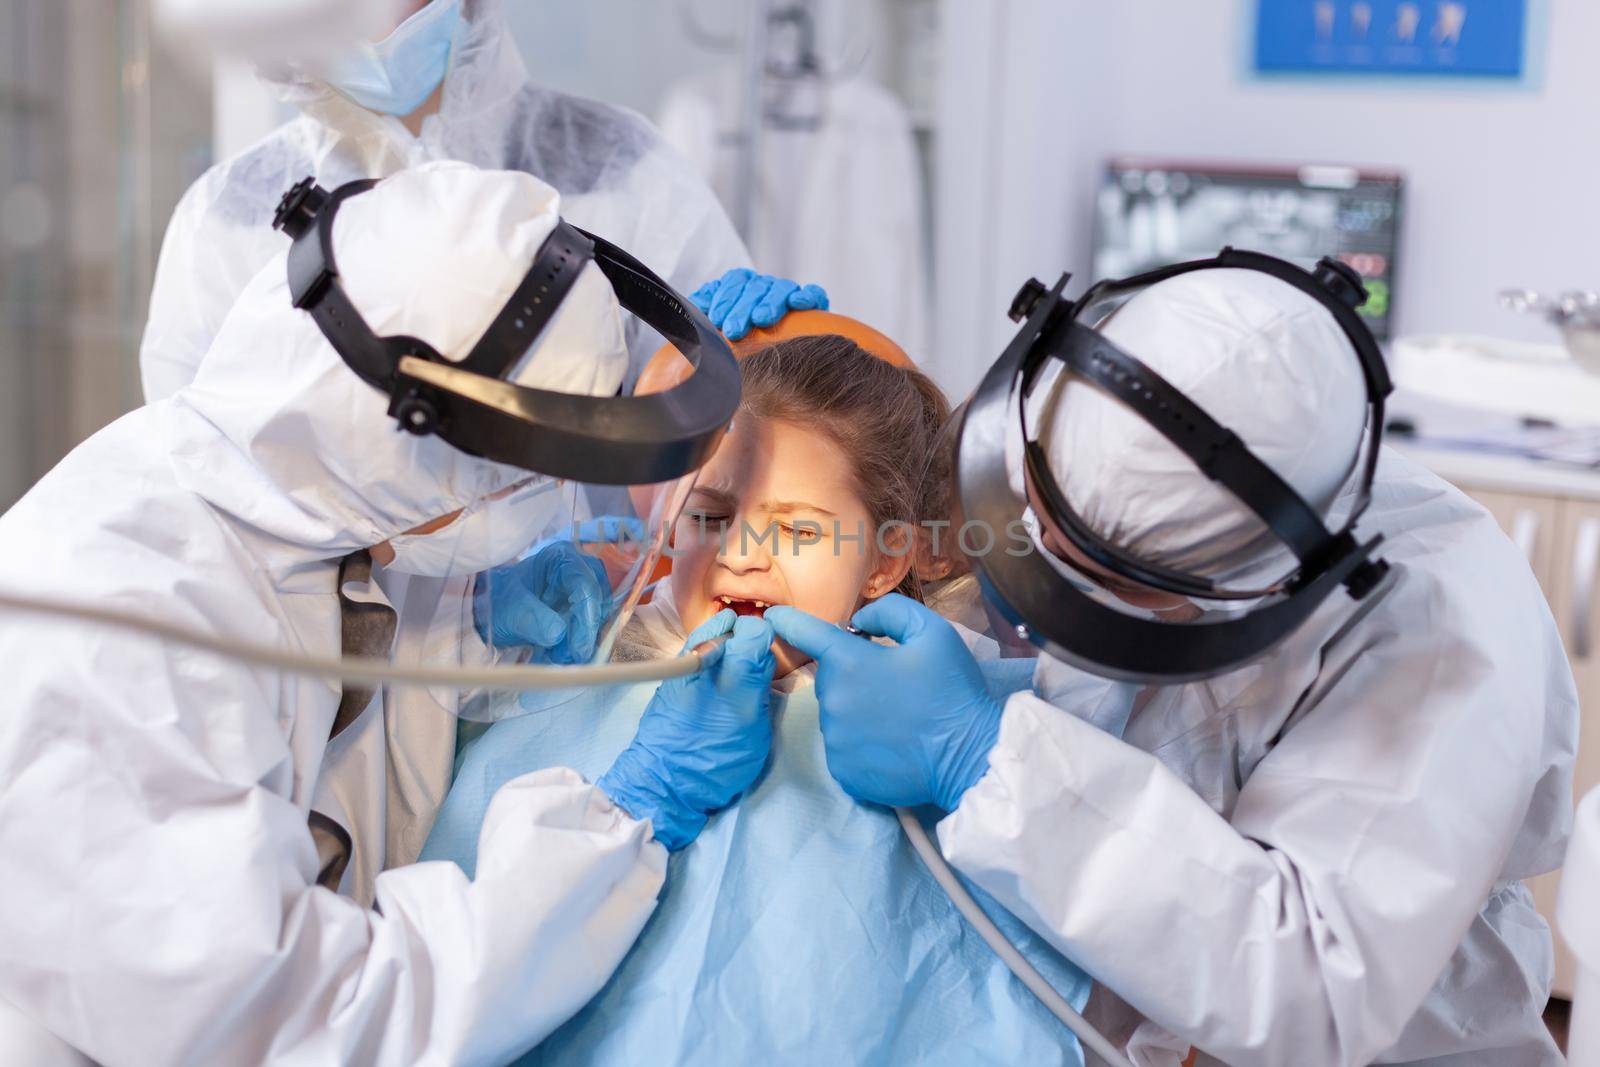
x,y
950,556
544,573
948,547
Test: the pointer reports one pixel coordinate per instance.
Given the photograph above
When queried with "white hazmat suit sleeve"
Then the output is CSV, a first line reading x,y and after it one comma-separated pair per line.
x,y
158,902
191,932
1307,927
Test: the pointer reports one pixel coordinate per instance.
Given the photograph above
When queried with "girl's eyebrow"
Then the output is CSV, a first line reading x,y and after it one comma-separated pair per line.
x,y
795,505
719,495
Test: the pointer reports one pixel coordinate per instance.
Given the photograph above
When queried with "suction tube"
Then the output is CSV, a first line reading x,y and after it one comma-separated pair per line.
x,y
359,670
932,859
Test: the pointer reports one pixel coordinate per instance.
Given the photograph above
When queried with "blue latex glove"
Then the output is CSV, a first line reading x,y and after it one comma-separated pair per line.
x,y
554,600
742,299
902,726
703,739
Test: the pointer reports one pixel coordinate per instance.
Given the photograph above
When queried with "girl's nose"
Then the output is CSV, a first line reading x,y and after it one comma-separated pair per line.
x,y
746,547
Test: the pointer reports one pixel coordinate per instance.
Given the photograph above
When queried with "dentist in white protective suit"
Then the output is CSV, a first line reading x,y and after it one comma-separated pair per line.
x,y
1314,858
385,85
159,894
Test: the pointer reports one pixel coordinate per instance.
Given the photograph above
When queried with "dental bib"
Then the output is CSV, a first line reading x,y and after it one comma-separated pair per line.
x,y
799,928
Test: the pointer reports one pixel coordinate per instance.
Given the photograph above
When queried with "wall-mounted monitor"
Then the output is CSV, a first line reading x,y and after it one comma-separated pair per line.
x,y
1151,213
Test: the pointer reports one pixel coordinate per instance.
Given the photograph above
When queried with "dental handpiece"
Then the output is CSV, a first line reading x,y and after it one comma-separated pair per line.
x,y
706,647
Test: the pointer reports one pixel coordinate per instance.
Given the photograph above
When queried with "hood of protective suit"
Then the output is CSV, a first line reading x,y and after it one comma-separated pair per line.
x,y
279,433
1264,360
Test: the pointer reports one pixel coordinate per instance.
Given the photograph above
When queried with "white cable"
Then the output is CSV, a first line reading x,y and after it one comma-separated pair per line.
x,y
365,670
1037,984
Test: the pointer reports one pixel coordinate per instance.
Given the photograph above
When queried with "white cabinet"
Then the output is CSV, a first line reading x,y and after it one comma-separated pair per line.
x,y
1557,526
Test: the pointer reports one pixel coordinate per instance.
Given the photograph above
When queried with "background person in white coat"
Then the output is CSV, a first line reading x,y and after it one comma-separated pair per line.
x,y
159,900
1313,859
615,174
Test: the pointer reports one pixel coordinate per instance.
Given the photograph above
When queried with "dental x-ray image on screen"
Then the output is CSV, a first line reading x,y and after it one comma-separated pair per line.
x,y
1150,214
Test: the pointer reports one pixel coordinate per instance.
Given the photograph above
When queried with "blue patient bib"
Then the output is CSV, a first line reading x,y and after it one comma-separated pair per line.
x,y
799,928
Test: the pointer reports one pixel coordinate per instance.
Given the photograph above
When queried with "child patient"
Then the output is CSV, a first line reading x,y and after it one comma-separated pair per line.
x,y
812,498
799,927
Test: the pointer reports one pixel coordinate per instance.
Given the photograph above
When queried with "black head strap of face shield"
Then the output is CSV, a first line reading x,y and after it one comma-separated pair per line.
x,y
468,403
1334,285
1216,450
1073,626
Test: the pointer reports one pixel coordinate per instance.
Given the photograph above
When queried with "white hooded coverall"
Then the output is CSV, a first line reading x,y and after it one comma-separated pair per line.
x,y
1316,859
158,902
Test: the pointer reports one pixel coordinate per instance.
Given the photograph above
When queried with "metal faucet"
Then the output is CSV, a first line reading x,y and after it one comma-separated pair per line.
x,y
1575,314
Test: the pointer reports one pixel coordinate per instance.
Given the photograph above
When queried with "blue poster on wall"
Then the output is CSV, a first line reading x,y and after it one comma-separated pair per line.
x,y
1459,38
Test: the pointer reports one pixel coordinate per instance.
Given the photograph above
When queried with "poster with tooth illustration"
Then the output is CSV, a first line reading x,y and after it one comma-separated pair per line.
x,y
1440,38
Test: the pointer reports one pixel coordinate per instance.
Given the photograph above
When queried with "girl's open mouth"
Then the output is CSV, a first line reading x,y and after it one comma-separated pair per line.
x,y
758,608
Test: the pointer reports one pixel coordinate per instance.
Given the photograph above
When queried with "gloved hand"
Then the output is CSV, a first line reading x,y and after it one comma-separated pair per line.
x,y
703,739
741,299
554,600
902,726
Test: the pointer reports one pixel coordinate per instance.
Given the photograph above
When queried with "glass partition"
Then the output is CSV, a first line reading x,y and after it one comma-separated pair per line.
x,y
100,133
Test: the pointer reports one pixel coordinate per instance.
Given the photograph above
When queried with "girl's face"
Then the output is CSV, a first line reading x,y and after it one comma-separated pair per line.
x,y
764,524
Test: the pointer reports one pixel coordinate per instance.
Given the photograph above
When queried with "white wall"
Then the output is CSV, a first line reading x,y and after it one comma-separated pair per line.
x,y
1502,178
1012,183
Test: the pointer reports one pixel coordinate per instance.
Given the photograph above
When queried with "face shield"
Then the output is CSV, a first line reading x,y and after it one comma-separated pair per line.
x,y
1092,601
565,491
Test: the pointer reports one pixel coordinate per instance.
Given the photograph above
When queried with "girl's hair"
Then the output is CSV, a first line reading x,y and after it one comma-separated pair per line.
x,y
887,419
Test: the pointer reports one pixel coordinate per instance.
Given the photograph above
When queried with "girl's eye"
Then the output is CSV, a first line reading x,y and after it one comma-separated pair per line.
x,y
804,533
705,518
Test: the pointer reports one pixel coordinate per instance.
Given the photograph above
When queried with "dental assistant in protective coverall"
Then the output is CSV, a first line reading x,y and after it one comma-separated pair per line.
x,y
160,899
447,84
1314,859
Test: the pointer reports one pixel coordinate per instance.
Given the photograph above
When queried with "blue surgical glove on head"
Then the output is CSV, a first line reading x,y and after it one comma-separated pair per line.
x,y
742,299
554,601
906,725
703,739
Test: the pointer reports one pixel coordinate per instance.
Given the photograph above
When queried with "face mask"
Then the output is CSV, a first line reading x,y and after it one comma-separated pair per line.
x,y
395,75
488,533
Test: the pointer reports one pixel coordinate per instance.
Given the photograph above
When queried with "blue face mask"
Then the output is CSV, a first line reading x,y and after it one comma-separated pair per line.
x,y
395,75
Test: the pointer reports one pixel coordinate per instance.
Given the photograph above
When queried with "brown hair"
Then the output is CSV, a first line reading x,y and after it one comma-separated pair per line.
x,y
887,419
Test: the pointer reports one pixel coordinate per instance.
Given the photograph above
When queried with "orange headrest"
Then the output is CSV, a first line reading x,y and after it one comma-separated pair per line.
x,y
667,368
